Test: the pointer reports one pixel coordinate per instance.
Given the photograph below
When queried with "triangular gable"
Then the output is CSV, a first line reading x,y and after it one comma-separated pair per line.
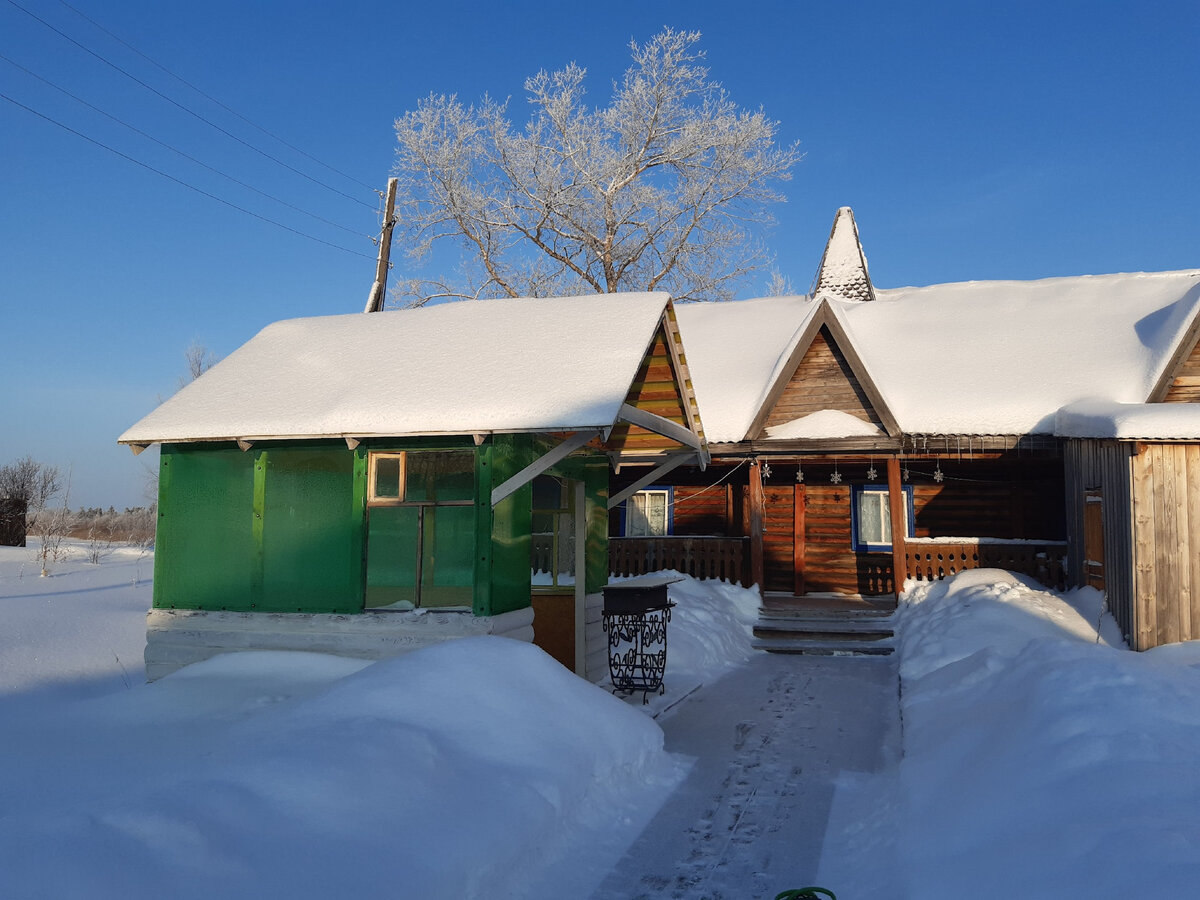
x,y
662,388
843,271
824,371
1180,381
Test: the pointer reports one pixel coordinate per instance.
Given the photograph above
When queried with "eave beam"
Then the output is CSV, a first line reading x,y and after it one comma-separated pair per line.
x,y
664,427
653,475
572,443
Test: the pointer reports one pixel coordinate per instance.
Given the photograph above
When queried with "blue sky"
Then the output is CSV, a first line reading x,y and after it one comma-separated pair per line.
x,y
973,140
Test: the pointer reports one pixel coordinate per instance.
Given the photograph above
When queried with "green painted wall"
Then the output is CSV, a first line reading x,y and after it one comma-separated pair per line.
x,y
511,518
272,529
284,527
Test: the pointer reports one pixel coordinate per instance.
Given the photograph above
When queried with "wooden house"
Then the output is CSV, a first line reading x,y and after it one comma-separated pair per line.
x,y
1133,505
860,436
367,484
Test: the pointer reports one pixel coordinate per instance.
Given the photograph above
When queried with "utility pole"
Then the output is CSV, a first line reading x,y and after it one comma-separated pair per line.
x,y
379,288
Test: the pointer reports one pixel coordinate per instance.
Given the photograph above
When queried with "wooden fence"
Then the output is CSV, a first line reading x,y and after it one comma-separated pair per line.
x,y
703,557
934,560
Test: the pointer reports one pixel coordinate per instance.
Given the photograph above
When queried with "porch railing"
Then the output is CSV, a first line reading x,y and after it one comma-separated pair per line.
x,y
932,560
703,557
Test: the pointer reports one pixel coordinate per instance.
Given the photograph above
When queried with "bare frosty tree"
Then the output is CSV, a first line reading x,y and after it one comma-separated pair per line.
x,y
663,189
31,481
778,285
199,360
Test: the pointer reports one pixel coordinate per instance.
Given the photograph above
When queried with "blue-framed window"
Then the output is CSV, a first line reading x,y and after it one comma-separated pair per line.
x,y
648,513
871,517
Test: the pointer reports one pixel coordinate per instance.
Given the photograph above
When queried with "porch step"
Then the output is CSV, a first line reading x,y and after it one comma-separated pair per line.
x,y
825,628
826,648
829,629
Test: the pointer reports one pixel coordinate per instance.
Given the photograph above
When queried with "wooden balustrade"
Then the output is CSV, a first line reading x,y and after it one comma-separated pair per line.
x,y
703,557
934,560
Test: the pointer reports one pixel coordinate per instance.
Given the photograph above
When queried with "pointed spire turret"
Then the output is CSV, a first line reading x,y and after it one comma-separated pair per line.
x,y
843,273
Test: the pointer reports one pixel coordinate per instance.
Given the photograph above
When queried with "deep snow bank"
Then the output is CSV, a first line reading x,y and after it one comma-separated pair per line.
x,y
1039,763
447,772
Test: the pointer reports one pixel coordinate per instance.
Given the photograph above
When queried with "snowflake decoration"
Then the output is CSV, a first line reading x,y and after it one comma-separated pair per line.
x,y
937,474
872,474
800,475
905,473
766,471
836,477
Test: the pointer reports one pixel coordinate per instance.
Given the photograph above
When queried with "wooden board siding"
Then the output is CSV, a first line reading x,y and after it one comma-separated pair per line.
x,y
830,563
822,380
778,524
1185,387
701,510
1103,465
655,389
1166,570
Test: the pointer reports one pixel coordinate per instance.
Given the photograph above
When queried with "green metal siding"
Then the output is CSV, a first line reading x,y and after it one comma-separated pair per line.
x,y
511,520
310,548
204,556
284,527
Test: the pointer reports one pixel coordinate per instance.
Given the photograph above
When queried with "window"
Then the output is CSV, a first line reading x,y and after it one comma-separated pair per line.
x,y
552,547
385,479
648,513
420,529
871,517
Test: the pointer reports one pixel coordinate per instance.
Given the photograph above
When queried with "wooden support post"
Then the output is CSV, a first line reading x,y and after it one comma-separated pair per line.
x,y
383,262
798,528
757,505
897,507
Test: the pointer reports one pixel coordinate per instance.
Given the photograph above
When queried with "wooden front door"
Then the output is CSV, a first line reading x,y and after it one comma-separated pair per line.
x,y
1093,538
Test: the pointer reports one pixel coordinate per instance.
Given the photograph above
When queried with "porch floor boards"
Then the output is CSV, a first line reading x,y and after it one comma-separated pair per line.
x,y
825,624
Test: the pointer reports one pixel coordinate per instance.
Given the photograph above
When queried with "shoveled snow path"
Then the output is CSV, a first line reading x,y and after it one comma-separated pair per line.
x,y
771,741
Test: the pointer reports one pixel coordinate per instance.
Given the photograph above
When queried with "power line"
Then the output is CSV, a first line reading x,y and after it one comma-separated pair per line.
x,y
213,99
186,156
187,110
179,181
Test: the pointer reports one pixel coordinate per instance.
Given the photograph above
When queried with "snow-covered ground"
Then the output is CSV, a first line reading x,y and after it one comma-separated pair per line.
x,y
1038,762
462,770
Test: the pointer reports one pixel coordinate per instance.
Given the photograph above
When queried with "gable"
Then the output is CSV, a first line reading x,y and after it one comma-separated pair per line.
x,y
823,379
1185,386
661,388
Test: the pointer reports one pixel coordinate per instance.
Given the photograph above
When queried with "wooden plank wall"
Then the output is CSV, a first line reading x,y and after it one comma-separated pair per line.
x,y
1166,510
702,510
822,380
1105,465
982,499
1186,386
654,390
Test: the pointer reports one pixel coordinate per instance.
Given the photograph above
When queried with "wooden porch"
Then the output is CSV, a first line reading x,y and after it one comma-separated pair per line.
x,y
924,560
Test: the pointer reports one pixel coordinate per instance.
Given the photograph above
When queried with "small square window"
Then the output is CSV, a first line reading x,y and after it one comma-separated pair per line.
x,y
386,478
648,513
871,517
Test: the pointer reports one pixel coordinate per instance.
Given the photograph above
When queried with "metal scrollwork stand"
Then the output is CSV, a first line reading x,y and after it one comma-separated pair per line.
x,y
637,650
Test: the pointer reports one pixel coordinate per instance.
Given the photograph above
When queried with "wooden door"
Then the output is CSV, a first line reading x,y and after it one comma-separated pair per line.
x,y
1093,538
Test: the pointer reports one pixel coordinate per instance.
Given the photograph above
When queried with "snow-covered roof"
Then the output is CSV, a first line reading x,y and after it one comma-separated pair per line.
x,y
505,365
823,424
843,273
1097,418
979,357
